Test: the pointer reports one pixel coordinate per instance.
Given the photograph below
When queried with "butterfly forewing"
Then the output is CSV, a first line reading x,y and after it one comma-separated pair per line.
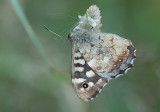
x,y
86,82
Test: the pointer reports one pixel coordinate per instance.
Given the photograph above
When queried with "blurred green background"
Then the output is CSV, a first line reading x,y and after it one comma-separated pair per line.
x,y
35,64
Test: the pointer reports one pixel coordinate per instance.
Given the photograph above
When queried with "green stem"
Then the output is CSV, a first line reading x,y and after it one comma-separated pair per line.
x,y
28,28
25,23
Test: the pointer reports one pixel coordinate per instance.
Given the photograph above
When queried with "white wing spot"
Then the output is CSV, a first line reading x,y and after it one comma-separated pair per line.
x,y
78,54
80,69
80,61
82,89
91,84
90,73
99,81
79,80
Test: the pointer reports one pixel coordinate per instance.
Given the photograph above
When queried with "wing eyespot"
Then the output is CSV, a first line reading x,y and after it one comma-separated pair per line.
x,y
85,85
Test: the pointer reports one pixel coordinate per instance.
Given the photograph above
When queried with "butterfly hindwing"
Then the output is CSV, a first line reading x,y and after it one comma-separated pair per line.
x,y
111,55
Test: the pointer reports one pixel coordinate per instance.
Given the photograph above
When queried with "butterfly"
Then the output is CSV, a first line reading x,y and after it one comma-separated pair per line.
x,y
97,57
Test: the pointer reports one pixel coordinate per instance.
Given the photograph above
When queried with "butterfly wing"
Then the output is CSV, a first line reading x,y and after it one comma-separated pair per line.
x,y
86,83
108,55
96,56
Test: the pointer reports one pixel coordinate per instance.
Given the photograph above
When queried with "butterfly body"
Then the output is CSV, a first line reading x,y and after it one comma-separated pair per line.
x,y
97,57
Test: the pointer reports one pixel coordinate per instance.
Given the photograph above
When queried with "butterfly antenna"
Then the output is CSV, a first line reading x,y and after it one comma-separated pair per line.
x,y
52,31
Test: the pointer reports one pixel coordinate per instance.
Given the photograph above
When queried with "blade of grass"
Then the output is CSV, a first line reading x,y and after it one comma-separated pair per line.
x,y
28,28
25,23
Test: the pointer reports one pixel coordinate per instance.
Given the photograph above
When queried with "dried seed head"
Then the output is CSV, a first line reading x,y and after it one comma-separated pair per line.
x,y
94,12
91,19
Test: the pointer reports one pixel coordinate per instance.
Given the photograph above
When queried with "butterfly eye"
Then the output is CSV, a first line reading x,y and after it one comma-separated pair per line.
x,y
85,85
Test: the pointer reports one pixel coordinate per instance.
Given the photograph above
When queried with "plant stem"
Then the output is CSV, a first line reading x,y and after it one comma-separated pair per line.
x,y
25,23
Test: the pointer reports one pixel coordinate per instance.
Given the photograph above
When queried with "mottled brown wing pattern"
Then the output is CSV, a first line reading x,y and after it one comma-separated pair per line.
x,y
97,57
86,83
124,63
111,55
